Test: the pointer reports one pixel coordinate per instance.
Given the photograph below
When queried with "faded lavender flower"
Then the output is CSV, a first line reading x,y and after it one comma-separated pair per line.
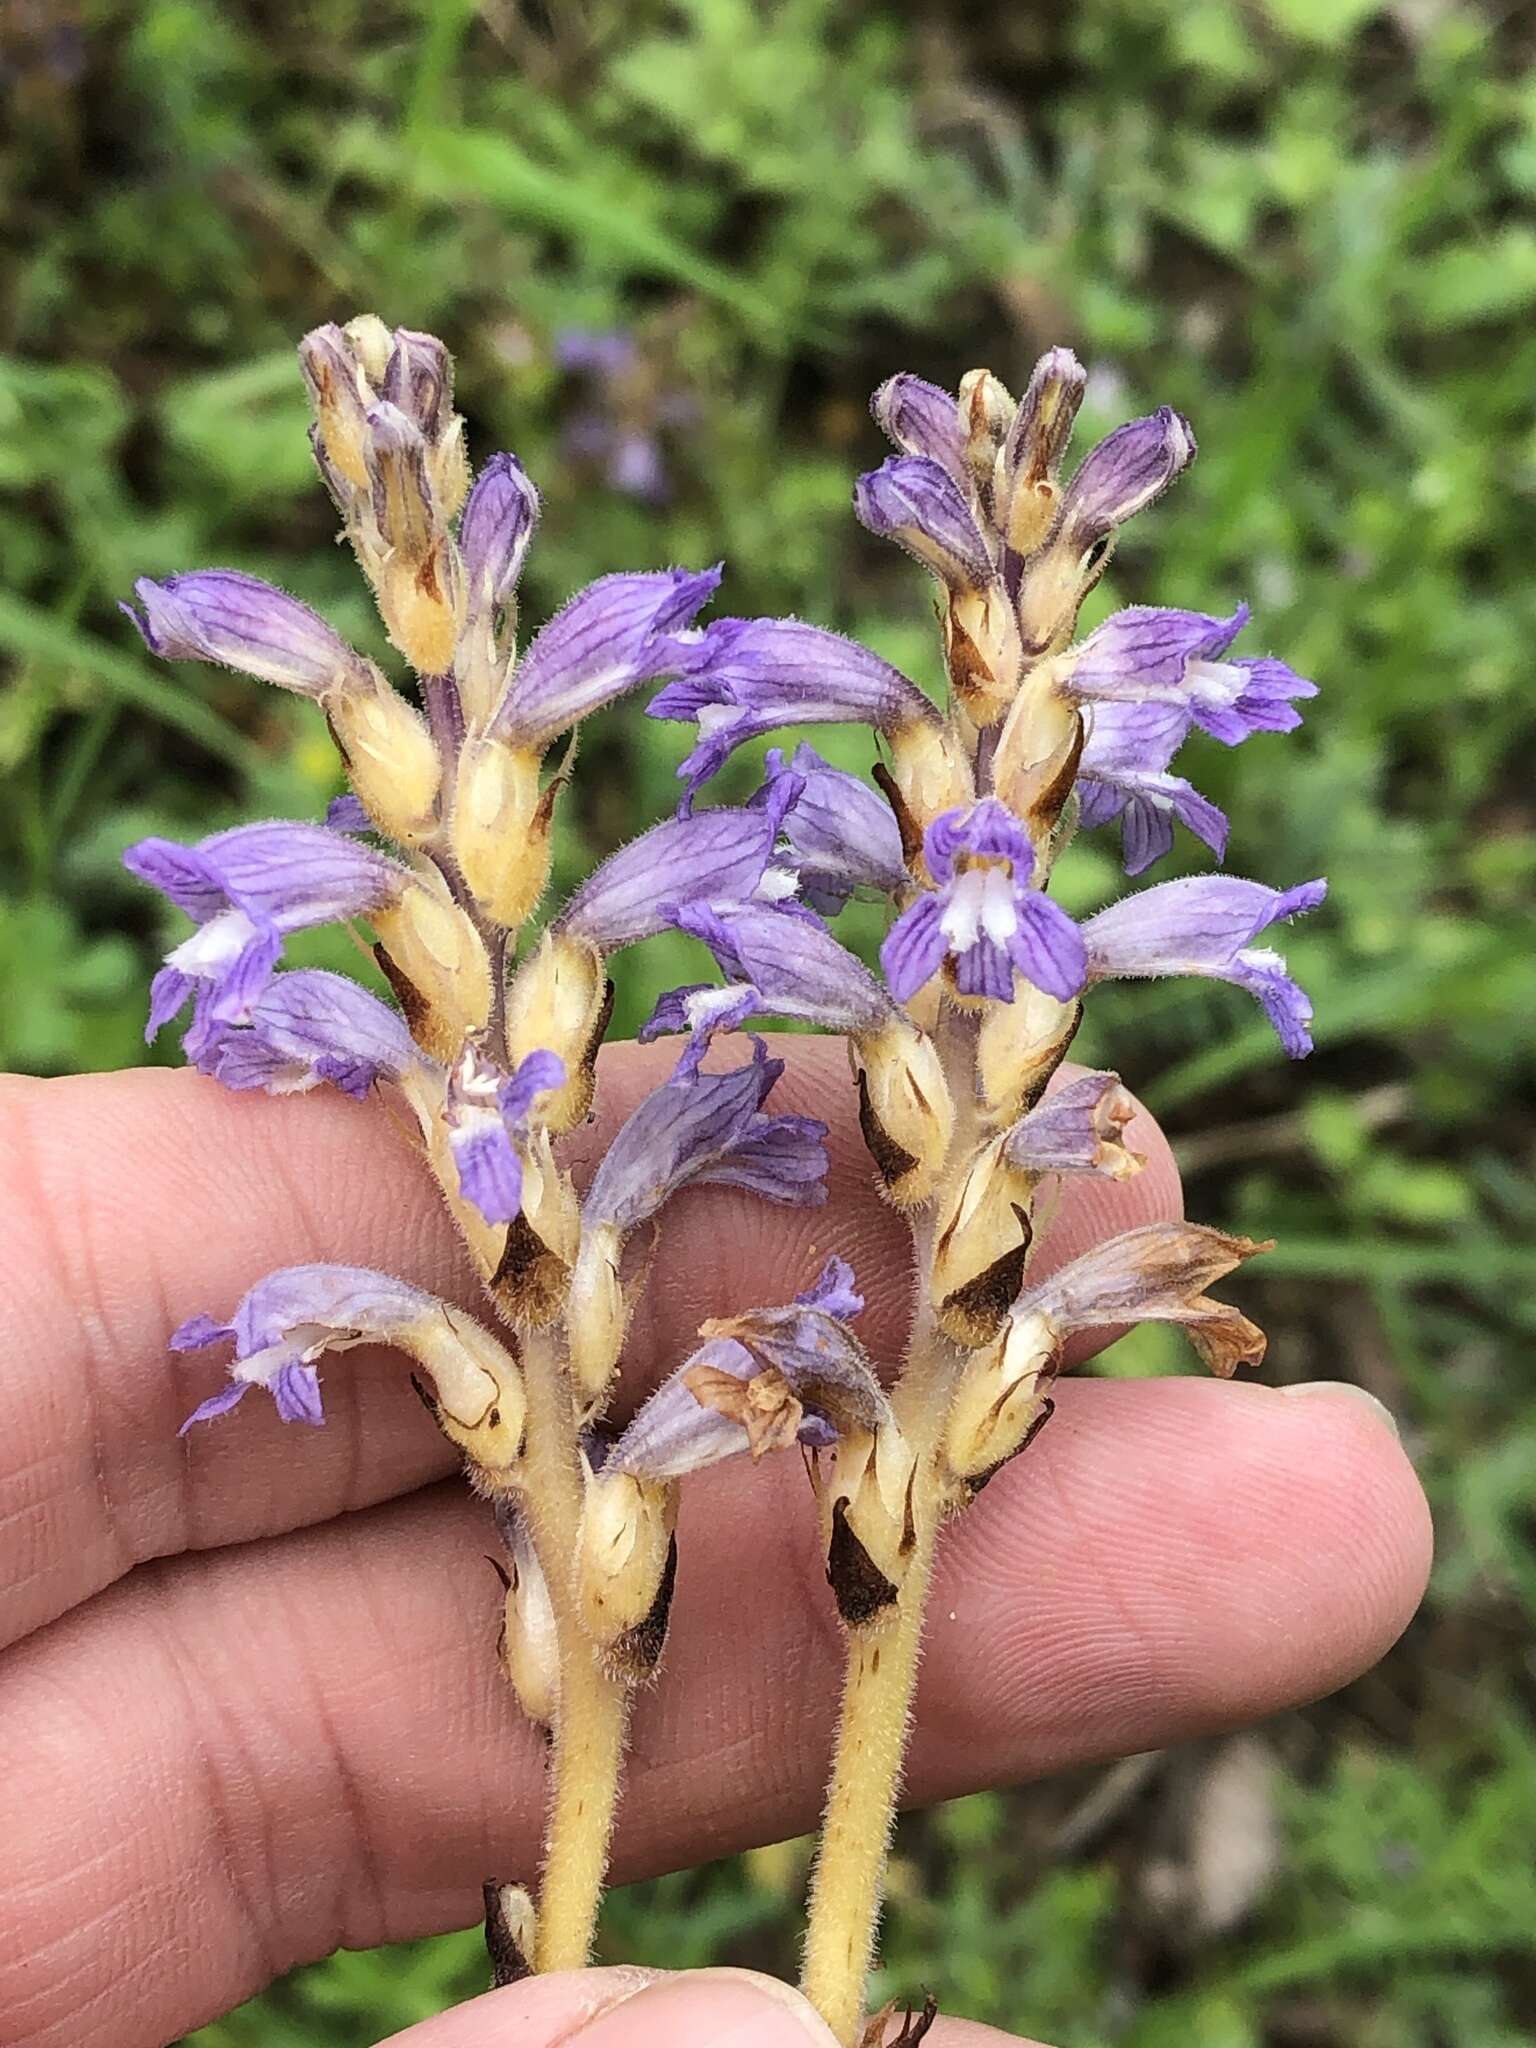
x,y
442,853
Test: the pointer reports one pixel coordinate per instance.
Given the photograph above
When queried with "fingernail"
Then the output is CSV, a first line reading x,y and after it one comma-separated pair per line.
x,y
1344,1390
708,2009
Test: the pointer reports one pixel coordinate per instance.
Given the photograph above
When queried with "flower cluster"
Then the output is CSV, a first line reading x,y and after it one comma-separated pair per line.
x,y
490,1044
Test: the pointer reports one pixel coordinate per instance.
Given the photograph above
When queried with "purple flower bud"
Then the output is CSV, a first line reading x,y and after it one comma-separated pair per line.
x,y
760,674
788,960
842,834
224,616
1205,925
403,506
419,380
487,1113
985,915
722,853
245,889
1126,472
499,518
287,1320
708,1130
307,1027
923,420
616,634
760,1382
1042,426
915,502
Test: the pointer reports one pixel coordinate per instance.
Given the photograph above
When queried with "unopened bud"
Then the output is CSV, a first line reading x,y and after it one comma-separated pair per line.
x,y
501,827
626,1563
340,399
868,1522
1025,491
1019,1046
436,963
1000,1398
372,343
987,409
981,1246
403,506
560,1000
391,759
596,1314
418,379
930,770
905,1111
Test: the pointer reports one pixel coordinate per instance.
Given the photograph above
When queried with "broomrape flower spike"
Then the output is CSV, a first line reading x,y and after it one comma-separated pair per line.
x,y
441,854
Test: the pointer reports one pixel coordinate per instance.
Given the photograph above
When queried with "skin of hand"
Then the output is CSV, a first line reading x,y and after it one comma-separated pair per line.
x,y
247,1679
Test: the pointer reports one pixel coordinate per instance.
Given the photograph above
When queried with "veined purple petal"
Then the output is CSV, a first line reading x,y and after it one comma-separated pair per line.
x,y
793,962
1205,925
760,674
225,616
1147,648
1147,806
701,1009
923,420
497,525
1048,947
1127,470
914,501
1263,702
486,1114
288,1319
288,874
617,633
418,378
697,1128
843,834
217,1404
309,1026
346,814
708,853
987,828
913,949
1126,740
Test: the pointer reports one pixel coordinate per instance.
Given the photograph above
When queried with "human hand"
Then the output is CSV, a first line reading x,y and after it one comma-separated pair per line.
x,y
251,1707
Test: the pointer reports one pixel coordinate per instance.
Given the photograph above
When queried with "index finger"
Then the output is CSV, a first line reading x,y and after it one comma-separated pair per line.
x,y
134,1201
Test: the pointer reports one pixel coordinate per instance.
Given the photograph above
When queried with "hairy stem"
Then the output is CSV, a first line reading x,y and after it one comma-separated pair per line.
x,y
590,1721
881,1676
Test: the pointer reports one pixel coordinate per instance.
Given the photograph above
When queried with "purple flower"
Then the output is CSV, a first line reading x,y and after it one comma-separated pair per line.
x,y
761,1381
245,889
418,378
617,633
759,674
916,502
1205,925
498,522
488,1111
287,1320
225,616
307,1027
923,420
985,915
1123,773
708,1129
1123,474
1147,655
842,834
708,853
346,814
1077,1128
784,960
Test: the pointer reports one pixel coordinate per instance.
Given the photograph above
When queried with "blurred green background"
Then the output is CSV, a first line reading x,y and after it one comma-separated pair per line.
x,y
1304,222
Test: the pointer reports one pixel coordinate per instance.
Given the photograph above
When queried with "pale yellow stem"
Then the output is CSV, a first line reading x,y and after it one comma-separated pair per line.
x,y
878,1688
590,1721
